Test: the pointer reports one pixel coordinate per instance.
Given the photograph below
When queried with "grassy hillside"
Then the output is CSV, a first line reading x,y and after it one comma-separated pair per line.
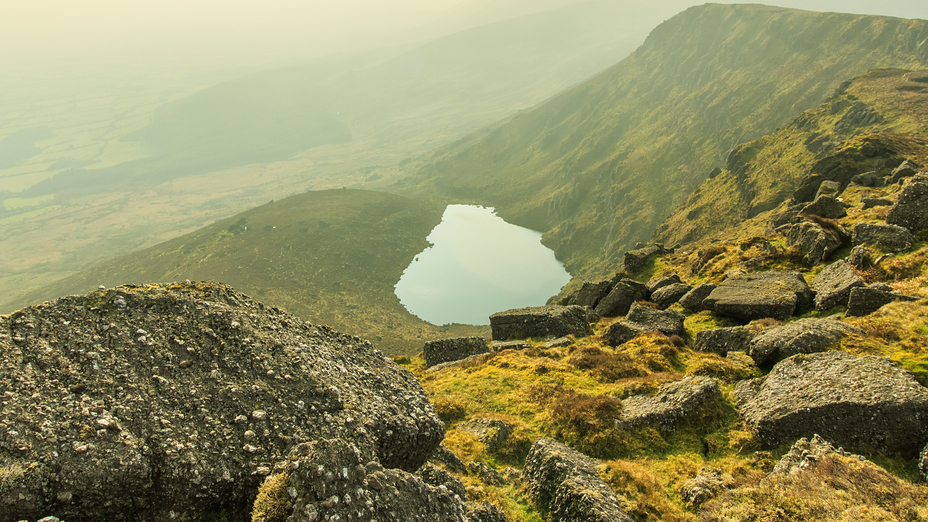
x,y
601,165
764,173
330,257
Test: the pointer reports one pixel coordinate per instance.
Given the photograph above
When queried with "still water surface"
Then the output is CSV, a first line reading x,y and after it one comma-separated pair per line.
x,y
477,265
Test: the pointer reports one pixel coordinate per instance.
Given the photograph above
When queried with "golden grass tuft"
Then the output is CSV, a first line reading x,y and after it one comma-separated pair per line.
x,y
273,503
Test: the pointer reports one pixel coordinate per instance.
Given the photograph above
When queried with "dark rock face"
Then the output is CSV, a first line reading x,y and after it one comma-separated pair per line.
x,y
644,319
657,283
826,207
833,285
859,258
493,433
869,179
329,480
564,483
857,402
670,294
865,301
450,350
635,260
906,170
891,237
620,299
138,402
761,294
673,404
875,202
911,210
540,321
815,241
724,340
802,336
591,293
693,300
830,189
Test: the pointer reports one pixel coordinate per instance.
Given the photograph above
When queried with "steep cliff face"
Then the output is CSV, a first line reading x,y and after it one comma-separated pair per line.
x,y
601,165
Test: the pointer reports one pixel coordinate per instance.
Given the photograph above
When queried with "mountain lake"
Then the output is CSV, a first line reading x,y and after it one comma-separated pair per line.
x,y
478,264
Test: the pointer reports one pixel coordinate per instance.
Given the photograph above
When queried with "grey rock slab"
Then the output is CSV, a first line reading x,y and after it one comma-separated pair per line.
x,y
875,202
540,321
621,297
499,346
815,241
911,209
670,294
564,482
826,207
451,350
891,237
865,301
180,397
591,293
673,404
861,403
693,300
802,336
643,318
484,512
828,189
723,340
657,283
636,260
761,294
833,285
906,170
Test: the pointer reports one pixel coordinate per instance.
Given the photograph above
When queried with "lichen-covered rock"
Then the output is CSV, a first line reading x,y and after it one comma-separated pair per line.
x,y
451,350
329,480
657,283
806,452
165,401
761,294
565,483
906,169
865,403
746,390
486,474
637,259
875,202
493,433
723,340
828,188
620,299
802,336
891,237
643,318
540,321
674,403
866,300
670,294
911,209
484,512
446,457
693,300
827,207
437,477
833,285
816,240
704,486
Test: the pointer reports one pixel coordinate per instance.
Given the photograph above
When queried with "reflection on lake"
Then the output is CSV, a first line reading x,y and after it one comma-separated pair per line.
x,y
478,265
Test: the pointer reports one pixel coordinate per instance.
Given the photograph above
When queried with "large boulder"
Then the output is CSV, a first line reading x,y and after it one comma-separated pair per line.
x,y
761,294
827,207
165,401
636,260
541,321
805,453
865,301
907,169
833,285
642,318
670,294
802,336
565,483
866,403
723,340
693,300
493,433
911,209
590,293
620,299
456,349
816,240
891,237
657,283
673,404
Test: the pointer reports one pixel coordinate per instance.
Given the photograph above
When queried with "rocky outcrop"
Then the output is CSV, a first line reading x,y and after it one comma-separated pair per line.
x,y
484,512
673,404
436,476
816,240
493,433
591,293
693,300
911,209
806,452
657,283
670,294
865,403
762,294
565,483
907,169
704,486
620,299
802,336
636,260
723,340
891,237
165,401
865,301
827,207
451,350
833,285
643,318
540,321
